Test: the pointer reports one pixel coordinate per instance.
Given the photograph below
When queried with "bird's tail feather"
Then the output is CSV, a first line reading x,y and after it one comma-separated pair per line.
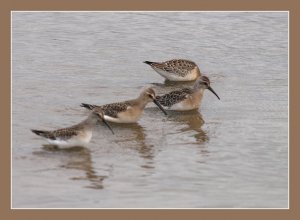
x,y
148,62
39,132
88,106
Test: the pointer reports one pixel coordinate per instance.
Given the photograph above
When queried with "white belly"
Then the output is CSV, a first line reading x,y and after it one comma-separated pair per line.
x,y
79,140
191,102
182,107
123,118
174,77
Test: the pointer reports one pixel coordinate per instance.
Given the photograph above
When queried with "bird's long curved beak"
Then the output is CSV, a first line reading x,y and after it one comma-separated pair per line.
x,y
210,89
105,122
159,106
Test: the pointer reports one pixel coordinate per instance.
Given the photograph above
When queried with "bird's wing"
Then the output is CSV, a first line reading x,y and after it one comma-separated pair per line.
x,y
64,133
181,67
113,109
173,97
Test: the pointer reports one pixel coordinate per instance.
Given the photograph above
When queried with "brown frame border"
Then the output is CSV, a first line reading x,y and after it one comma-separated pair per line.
x,y
13,5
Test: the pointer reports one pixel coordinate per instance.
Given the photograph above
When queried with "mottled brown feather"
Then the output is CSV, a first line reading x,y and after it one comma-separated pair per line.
x,y
176,66
174,97
112,109
63,133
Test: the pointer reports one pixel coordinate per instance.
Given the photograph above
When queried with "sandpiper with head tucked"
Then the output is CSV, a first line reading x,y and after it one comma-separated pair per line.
x,y
128,111
76,135
187,98
176,70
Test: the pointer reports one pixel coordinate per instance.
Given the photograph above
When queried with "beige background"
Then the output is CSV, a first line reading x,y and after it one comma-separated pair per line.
x,y
6,7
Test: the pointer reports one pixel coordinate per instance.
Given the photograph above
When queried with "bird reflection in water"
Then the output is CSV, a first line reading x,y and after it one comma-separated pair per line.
x,y
194,122
78,158
193,118
134,137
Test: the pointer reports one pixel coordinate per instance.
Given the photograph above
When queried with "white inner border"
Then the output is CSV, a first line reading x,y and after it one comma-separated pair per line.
x,y
16,11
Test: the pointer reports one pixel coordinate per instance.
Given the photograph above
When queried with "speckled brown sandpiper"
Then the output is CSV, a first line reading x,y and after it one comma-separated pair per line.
x,y
176,69
128,111
187,98
76,135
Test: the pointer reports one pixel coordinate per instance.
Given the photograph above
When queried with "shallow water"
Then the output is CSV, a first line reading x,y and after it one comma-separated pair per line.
x,y
231,153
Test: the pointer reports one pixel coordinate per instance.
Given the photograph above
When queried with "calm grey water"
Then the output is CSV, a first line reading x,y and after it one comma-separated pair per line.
x,y
231,153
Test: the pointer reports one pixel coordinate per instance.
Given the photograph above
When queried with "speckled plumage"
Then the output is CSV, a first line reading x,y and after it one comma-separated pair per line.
x,y
174,97
186,98
63,133
176,69
127,111
112,109
75,135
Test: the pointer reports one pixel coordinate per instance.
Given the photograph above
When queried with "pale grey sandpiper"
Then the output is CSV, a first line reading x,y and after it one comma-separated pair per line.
x,y
128,111
76,135
187,98
176,69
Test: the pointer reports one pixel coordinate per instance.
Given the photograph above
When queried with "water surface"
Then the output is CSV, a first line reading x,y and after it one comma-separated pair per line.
x,y
231,153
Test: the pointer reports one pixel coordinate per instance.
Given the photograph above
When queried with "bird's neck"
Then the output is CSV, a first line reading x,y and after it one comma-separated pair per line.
x,y
89,122
198,87
141,102
198,71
